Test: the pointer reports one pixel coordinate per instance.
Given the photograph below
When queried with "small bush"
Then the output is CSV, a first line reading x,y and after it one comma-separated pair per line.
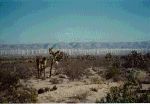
x,y
96,80
20,94
112,73
25,95
75,69
126,94
24,72
81,96
55,80
11,90
136,76
8,79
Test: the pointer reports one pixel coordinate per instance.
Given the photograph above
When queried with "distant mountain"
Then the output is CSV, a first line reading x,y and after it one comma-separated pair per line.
x,y
80,45
2,41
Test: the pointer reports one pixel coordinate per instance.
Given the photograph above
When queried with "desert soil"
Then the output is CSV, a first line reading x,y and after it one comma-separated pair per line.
x,y
71,91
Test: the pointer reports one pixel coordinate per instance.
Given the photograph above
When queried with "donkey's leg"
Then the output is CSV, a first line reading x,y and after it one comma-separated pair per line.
x,y
41,72
38,71
51,69
44,72
38,74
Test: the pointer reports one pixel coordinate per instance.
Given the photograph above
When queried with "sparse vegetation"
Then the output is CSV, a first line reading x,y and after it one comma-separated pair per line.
x,y
96,80
136,60
113,72
75,69
81,96
129,93
55,80
12,91
95,70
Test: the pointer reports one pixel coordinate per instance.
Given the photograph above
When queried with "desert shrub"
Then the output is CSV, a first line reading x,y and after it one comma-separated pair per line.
x,y
25,95
80,96
136,60
112,72
128,93
55,80
11,90
113,65
11,73
96,80
136,76
23,71
108,59
19,95
140,75
8,79
144,98
75,69
116,62
97,62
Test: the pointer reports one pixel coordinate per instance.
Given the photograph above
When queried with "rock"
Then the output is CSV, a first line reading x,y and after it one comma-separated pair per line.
x,y
47,89
94,89
41,90
62,76
53,88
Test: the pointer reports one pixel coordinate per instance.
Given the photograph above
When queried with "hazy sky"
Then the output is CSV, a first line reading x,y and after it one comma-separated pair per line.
x,y
34,21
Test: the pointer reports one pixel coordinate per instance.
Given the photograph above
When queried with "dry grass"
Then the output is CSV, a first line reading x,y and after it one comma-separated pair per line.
x,y
74,69
96,80
80,96
55,80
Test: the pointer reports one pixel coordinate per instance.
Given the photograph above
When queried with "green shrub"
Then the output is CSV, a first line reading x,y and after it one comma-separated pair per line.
x,y
126,94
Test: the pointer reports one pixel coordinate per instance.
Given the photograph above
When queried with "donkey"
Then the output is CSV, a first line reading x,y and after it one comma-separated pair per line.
x,y
41,65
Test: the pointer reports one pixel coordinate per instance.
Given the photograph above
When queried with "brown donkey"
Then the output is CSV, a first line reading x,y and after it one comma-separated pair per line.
x,y
41,65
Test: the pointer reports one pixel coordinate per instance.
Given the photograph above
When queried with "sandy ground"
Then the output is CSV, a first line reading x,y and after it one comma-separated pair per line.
x,y
71,91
